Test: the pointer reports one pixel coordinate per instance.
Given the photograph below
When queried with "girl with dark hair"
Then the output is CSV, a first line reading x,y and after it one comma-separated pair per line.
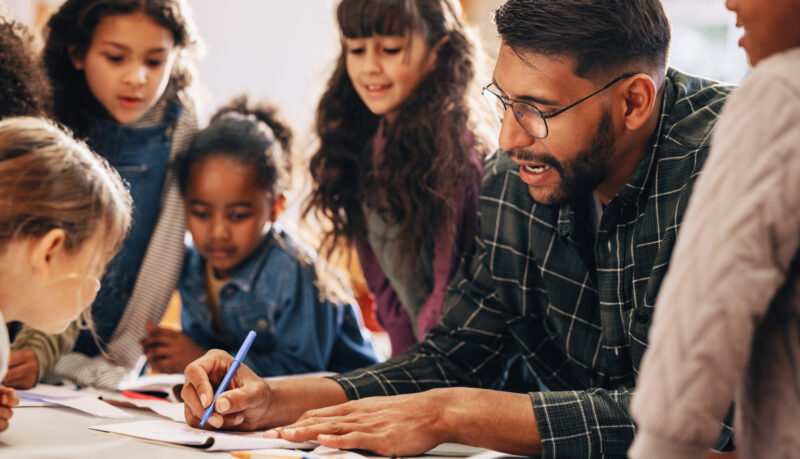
x,y
24,90
246,272
398,167
120,73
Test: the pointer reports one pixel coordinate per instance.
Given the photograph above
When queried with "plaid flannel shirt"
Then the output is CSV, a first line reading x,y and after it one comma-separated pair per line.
x,y
575,304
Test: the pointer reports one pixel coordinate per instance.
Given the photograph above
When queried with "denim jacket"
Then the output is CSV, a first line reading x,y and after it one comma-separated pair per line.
x,y
141,156
275,294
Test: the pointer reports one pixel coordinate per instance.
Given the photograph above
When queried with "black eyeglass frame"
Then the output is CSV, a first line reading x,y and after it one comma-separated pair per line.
x,y
544,117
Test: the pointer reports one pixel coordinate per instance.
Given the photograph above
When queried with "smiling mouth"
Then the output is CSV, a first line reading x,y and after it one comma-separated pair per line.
x,y
537,169
376,87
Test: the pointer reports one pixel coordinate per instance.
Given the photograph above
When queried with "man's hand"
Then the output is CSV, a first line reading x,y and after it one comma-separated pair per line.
x,y
243,406
401,425
23,369
8,400
169,351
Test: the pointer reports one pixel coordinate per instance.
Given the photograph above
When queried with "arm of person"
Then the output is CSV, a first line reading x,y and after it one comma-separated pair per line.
x,y
168,350
8,400
34,354
738,242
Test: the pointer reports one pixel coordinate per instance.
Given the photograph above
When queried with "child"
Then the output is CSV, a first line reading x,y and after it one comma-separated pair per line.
x,y
119,76
63,215
24,91
246,272
398,168
727,321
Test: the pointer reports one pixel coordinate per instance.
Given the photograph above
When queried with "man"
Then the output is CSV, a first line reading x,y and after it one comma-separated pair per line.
x,y
579,212
728,318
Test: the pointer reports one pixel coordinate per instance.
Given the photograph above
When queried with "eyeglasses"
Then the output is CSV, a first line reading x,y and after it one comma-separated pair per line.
x,y
529,116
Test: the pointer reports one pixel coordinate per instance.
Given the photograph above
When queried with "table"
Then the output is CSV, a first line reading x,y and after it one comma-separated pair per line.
x,y
55,432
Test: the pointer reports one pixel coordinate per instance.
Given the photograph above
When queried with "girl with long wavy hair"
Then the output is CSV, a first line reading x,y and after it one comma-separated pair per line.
x,y
398,168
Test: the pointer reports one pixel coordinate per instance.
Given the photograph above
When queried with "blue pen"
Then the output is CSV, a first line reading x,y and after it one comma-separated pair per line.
x,y
227,379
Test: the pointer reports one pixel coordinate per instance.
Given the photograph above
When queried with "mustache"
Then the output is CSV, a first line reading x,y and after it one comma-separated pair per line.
x,y
529,156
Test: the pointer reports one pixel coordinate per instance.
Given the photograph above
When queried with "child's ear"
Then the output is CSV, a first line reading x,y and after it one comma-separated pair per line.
x,y
45,250
77,61
278,206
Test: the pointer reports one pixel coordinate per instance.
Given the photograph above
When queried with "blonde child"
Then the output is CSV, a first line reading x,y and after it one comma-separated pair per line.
x,y
244,271
119,74
399,166
63,215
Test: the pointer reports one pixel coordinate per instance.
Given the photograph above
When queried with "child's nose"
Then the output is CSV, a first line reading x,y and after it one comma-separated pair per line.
x,y
220,230
136,75
371,61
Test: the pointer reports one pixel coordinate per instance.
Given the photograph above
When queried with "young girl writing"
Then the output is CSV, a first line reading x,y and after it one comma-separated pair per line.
x,y
245,272
398,168
63,215
119,75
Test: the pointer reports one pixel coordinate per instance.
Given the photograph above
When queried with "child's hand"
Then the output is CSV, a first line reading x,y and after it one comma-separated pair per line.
x,y
23,369
169,351
8,400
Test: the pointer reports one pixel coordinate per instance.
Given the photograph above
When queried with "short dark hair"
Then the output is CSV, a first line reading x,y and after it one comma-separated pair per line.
x,y
251,134
602,35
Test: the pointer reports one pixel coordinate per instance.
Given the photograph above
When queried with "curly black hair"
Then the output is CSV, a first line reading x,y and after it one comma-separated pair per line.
x,y
69,32
24,90
427,154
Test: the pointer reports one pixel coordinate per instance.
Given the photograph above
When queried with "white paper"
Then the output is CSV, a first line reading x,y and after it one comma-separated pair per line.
x,y
47,395
174,411
182,434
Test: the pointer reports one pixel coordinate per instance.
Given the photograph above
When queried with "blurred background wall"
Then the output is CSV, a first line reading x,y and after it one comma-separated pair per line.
x,y
283,50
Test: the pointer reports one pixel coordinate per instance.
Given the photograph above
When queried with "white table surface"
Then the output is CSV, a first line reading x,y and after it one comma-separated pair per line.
x,y
56,432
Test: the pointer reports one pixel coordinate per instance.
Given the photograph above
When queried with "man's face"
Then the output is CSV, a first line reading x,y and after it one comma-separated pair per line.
x,y
576,156
770,26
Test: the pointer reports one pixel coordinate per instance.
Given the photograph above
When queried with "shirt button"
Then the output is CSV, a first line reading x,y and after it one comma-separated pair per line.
x,y
228,291
609,246
262,324
641,317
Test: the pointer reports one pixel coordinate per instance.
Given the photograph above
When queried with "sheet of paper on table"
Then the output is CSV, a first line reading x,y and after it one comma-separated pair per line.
x,y
184,435
47,395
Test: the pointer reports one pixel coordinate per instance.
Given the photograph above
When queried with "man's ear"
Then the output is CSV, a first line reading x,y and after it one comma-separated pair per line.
x,y
77,61
639,97
278,206
45,249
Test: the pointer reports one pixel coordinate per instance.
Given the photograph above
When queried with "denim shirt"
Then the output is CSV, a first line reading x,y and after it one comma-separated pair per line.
x,y
141,156
275,294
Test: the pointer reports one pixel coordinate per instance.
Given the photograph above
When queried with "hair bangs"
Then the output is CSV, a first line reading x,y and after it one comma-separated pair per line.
x,y
365,18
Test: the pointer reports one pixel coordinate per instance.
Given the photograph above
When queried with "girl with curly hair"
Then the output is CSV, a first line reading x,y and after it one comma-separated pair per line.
x,y
399,164
24,90
120,73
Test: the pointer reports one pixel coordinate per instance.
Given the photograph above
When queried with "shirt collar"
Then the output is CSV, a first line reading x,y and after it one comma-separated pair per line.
x,y
245,276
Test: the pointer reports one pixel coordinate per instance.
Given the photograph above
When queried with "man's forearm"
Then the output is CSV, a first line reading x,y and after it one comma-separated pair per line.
x,y
501,421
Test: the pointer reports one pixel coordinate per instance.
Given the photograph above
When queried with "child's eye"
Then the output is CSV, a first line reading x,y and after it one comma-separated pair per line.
x,y
356,50
392,50
114,58
237,217
154,63
198,214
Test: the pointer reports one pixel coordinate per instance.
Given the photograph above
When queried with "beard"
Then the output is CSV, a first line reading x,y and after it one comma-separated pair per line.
x,y
580,175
